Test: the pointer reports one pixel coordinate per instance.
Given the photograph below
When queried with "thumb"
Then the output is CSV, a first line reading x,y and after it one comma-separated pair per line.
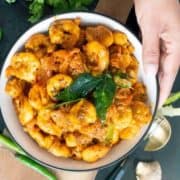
x,y
151,49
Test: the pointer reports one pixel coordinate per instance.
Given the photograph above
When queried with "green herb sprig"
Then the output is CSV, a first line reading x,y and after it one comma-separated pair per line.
x,y
37,7
101,87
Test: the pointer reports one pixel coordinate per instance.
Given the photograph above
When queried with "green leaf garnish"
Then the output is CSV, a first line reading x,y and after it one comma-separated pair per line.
x,y
103,96
82,86
56,106
103,88
36,7
36,10
58,5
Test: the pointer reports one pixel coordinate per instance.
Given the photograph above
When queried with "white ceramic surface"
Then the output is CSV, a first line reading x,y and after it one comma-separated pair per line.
x,y
10,118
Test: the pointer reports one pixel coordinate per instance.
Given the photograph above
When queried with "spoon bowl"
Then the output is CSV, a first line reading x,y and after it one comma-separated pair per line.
x,y
159,134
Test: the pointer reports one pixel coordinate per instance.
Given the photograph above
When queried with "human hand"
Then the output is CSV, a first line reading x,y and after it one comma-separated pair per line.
x,y
159,21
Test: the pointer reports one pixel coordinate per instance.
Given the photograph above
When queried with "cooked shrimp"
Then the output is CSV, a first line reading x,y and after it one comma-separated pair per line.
x,y
77,139
123,96
40,44
141,112
70,139
131,131
65,120
43,75
57,83
59,149
97,57
24,66
101,34
76,64
128,49
82,37
65,32
38,96
121,116
94,152
61,60
139,92
112,134
95,130
24,110
46,124
41,138
117,59
132,70
84,111
15,87
57,62
77,152
69,62
120,38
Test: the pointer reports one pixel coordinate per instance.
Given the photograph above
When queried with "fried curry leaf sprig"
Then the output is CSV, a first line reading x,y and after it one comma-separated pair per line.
x,y
102,87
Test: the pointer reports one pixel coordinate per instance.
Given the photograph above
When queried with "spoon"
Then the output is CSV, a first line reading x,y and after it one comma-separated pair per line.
x,y
159,134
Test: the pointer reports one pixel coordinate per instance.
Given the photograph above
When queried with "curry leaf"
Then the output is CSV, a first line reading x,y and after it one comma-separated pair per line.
x,y
56,106
103,96
103,88
82,86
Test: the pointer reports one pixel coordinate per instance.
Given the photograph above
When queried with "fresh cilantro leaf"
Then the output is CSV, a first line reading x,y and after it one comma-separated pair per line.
x,y
103,96
79,4
87,2
36,9
58,5
10,1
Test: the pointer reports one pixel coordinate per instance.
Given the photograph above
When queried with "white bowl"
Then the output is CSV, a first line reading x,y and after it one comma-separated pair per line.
x,y
119,151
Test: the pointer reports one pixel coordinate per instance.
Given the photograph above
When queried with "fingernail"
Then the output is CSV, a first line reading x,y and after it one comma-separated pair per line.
x,y
150,69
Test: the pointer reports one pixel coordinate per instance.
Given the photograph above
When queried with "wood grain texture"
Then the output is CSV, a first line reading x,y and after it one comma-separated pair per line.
x,y
118,9
12,169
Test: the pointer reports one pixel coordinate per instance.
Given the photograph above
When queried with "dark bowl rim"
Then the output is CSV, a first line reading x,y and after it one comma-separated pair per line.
x,y
118,159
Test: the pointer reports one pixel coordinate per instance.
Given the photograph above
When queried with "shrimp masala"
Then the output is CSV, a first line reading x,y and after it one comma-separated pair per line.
x,y
75,90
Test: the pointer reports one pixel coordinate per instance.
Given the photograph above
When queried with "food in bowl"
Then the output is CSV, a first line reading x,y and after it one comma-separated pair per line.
x,y
75,90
